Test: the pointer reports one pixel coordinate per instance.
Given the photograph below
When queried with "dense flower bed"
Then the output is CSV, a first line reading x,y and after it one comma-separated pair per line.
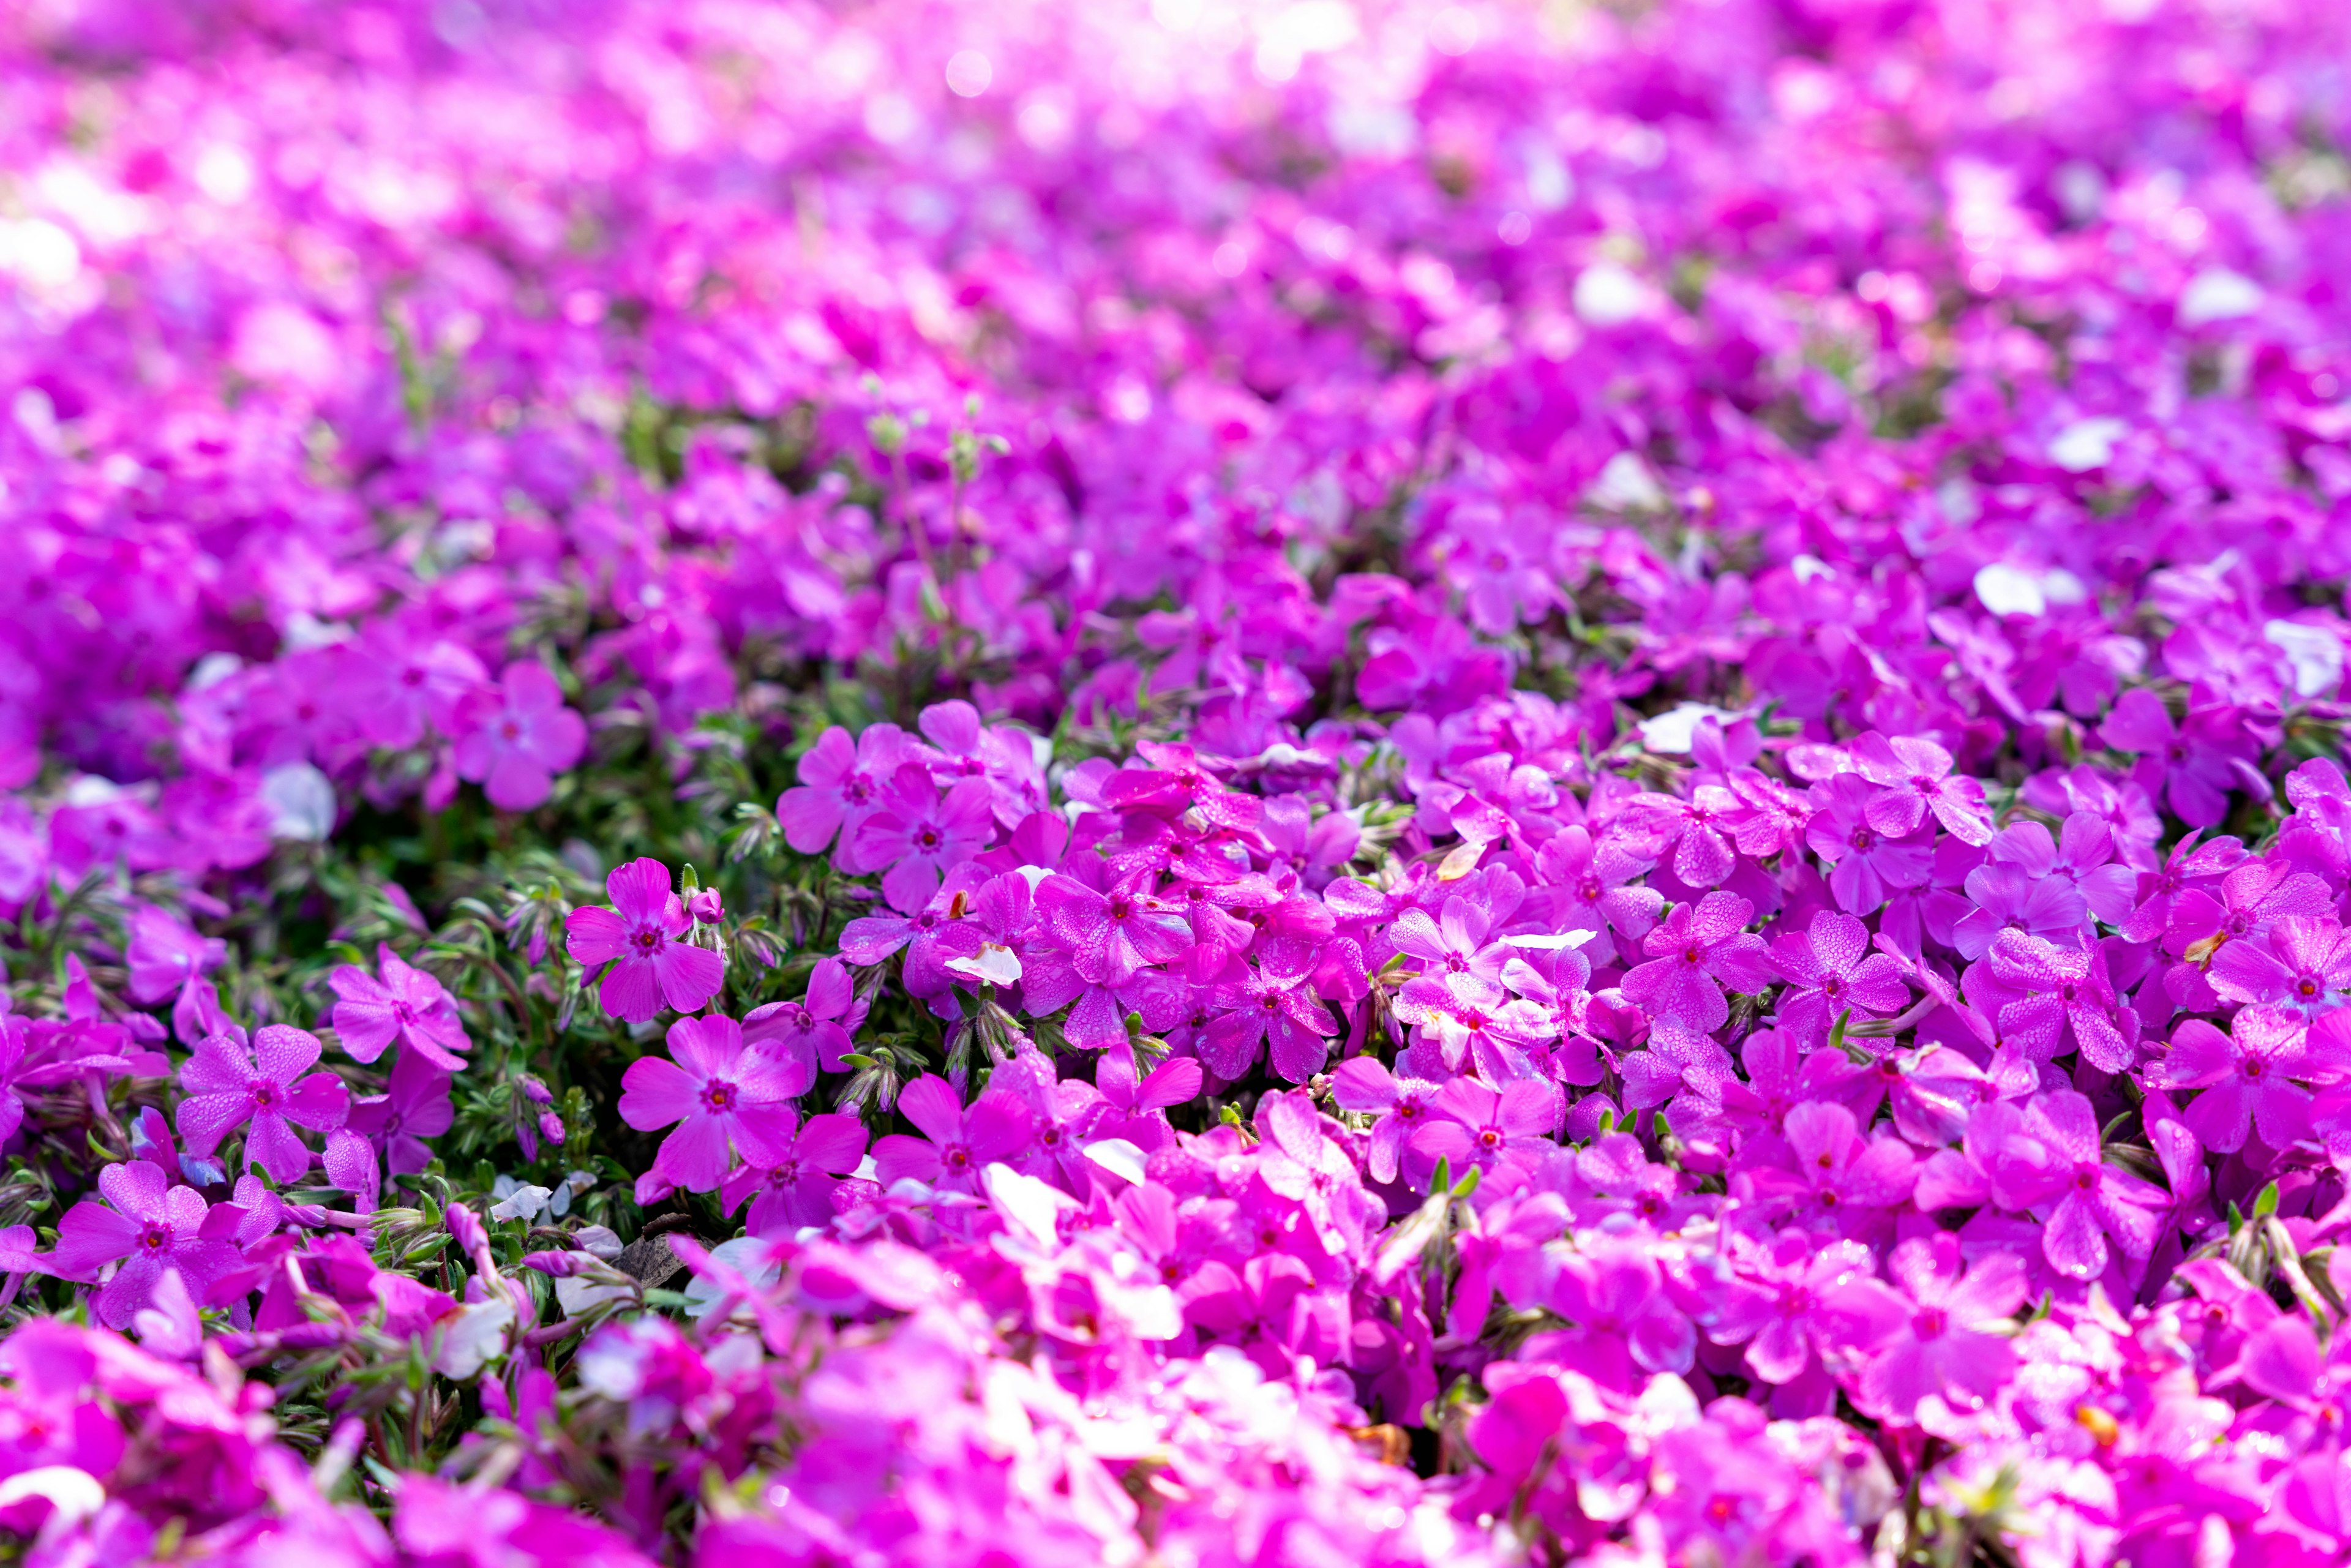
x,y
1066,783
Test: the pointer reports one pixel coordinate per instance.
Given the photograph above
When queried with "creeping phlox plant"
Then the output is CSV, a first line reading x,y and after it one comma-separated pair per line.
x,y
1031,782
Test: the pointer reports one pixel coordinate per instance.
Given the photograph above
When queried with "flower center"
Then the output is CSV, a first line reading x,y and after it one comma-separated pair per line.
x,y
646,939
720,1095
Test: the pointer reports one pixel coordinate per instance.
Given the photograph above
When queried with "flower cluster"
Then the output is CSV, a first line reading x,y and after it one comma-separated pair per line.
x,y
1364,781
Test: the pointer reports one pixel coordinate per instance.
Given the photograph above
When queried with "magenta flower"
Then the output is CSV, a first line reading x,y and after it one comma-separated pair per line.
x,y
1779,1316
2038,992
1865,861
1694,832
165,956
514,749
1699,950
796,1190
2194,766
957,1144
2302,962
1110,935
1944,1329
224,1087
1830,970
725,1095
636,943
1263,1004
1914,778
918,836
2246,1076
841,785
150,1225
1402,1105
1839,1171
2057,1165
408,1007
1624,1323
815,1029
1590,887
413,1107
1473,1125
1455,944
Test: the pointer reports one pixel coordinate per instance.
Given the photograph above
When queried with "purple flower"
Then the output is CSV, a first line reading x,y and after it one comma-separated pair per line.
x,y
1864,860
1914,778
514,749
1830,970
636,943
408,1007
150,1225
726,1096
1402,1105
2056,1164
2246,1076
841,785
414,1107
1943,1329
2194,767
796,1190
1472,1124
918,835
1110,935
815,1029
957,1144
1698,949
2302,962
225,1088
1264,1003
165,956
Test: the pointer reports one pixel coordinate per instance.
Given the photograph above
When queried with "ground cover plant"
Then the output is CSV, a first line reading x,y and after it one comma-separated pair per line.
x,y
1047,782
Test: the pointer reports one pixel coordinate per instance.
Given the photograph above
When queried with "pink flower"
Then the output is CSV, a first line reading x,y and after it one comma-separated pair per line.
x,y
1473,1125
408,1007
637,940
919,836
2245,1075
1944,1329
815,1029
166,955
225,1088
960,1143
1698,949
2058,1163
414,1107
841,785
727,1096
2302,964
150,1225
513,749
1112,935
1831,970
1264,1003
1402,1103
1914,778
796,1190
